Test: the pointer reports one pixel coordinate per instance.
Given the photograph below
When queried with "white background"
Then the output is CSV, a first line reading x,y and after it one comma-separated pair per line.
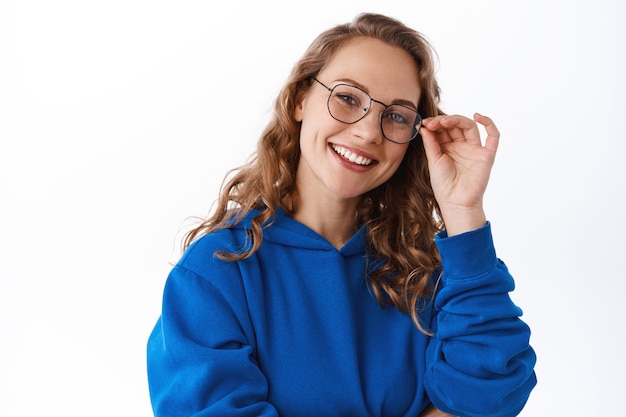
x,y
119,119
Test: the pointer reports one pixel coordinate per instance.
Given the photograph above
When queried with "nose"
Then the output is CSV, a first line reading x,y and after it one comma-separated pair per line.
x,y
369,128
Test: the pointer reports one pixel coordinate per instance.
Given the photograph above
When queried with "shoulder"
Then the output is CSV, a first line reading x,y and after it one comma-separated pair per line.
x,y
232,238
200,257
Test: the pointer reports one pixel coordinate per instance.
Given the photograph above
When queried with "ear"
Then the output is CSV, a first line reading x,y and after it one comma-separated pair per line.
x,y
298,111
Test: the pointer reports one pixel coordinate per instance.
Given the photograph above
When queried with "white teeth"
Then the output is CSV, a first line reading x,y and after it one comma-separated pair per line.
x,y
351,156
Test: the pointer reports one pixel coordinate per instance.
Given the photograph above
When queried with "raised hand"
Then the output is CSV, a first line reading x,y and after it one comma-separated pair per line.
x,y
459,167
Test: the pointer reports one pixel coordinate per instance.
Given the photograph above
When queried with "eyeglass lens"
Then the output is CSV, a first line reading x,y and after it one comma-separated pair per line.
x,y
349,104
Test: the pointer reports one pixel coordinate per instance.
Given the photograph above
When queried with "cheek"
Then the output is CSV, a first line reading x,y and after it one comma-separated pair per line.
x,y
394,157
396,153
318,127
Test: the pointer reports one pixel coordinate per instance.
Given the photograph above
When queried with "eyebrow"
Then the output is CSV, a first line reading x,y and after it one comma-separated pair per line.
x,y
403,102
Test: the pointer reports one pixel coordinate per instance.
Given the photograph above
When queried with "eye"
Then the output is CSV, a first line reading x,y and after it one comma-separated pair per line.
x,y
397,117
347,99
401,116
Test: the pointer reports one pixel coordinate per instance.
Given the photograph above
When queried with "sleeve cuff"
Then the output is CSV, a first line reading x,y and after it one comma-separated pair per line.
x,y
467,255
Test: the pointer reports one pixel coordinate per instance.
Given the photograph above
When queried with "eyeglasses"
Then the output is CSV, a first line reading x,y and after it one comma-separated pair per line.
x,y
349,104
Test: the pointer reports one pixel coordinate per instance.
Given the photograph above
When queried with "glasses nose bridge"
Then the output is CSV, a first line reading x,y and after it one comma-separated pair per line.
x,y
377,117
384,106
371,104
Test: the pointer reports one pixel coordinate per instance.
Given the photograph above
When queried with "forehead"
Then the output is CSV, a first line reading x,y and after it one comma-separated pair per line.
x,y
387,72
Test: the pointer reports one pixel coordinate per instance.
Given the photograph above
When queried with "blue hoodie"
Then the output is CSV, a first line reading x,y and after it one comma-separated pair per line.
x,y
294,330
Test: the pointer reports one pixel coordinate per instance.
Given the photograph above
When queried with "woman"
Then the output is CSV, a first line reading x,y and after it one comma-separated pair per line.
x,y
324,284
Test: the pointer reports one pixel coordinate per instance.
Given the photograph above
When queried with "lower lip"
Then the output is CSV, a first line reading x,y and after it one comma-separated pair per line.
x,y
349,165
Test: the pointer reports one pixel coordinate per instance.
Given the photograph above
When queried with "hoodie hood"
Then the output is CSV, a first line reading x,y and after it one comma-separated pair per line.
x,y
287,231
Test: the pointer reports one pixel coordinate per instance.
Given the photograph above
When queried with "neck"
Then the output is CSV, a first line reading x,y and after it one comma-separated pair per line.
x,y
335,222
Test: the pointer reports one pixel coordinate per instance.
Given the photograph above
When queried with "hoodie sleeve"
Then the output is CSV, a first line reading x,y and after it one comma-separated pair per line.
x,y
200,354
479,361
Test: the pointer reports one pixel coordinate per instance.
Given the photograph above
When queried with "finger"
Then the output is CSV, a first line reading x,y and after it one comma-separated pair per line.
x,y
447,128
433,124
461,127
432,146
456,126
493,135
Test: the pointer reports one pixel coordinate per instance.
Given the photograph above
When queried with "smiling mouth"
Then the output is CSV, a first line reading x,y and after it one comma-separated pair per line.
x,y
351,156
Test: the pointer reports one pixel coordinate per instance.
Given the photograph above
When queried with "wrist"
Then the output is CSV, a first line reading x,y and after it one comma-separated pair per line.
x,y
459,220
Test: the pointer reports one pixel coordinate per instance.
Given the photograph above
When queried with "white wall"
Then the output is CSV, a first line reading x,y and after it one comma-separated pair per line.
x,y
117,123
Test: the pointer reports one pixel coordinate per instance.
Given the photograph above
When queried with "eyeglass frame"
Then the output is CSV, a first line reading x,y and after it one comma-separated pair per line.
x,y
416,126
